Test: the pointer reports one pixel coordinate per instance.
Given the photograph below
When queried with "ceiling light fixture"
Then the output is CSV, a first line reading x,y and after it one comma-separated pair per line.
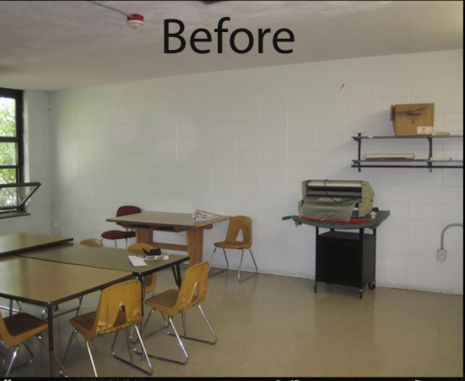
x,y
134,20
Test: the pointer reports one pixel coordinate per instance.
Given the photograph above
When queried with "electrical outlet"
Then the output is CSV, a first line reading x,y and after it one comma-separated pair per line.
x,y
442,254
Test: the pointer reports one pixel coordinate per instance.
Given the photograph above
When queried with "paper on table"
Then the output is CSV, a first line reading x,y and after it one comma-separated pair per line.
x,y
136,261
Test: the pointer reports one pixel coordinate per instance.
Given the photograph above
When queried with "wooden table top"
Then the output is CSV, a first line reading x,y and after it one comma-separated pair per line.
x,y
19,242
100,257
47,282
168,219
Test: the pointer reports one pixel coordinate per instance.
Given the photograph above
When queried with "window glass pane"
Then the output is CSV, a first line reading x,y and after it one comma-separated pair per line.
x,y
8,197
7,175
7,117
15,195
7,153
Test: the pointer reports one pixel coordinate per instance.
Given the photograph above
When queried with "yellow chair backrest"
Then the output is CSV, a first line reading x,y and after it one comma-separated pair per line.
x,y
119,307
94,242
194,286
4,333
236,225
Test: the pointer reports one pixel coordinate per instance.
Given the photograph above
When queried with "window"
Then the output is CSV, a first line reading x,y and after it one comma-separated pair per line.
x,y
11,143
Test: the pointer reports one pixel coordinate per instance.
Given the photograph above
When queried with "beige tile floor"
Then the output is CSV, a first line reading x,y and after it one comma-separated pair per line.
x,y
276,326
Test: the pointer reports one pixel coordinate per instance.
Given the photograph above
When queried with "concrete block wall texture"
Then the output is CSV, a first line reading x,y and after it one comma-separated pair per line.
x,y
241,142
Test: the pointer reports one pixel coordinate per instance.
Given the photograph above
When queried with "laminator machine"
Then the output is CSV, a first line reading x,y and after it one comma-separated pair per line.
x,y
341,256
336,201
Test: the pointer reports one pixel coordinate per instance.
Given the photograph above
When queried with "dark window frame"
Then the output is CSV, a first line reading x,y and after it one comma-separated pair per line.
x,y
17,95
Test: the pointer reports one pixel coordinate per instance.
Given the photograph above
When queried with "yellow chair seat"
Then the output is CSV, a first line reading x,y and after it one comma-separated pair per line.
x,y
165,302
85,323
231,245
22,327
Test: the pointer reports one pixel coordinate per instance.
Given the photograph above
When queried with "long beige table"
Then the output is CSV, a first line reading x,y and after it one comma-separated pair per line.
x,y
47,284
20,242
145,223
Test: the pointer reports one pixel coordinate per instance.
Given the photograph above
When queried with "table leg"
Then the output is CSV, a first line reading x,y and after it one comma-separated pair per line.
x,y
50,339
177,274
144,235
141,280
194,245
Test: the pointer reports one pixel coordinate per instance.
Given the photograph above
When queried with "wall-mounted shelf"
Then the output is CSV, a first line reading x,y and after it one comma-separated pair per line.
x,y
428,162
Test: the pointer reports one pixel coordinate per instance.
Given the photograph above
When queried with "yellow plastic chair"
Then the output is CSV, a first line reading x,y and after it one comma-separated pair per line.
x,y
150,281
237,224
16,329
93,242
119,309
172,302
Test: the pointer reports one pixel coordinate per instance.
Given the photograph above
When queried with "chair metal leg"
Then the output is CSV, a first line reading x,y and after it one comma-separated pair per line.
x,y
89,352
14,355
208,324
146,335
31,355
218,271
73,333
186,356
240,265
139,336
183,318
204,316
179,340
130,363
128,344
12,360
60,365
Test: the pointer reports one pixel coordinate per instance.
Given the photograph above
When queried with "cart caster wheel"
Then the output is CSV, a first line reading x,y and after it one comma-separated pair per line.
x,y
372,285
315,288
360,294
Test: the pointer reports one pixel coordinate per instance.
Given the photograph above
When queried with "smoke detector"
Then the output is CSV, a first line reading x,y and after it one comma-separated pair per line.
x,y
135,20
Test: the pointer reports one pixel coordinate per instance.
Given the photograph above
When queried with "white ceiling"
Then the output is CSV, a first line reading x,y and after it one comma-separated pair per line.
x,y
61,44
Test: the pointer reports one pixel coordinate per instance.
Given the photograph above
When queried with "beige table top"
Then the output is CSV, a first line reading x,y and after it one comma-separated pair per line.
x,y
101,257
165,219
19,242
46,282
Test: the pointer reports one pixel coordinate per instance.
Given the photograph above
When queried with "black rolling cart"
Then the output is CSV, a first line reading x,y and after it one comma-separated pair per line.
x,y
346,258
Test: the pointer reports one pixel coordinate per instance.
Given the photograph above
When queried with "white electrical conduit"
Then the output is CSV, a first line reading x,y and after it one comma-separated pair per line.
x,y
444,230
110,7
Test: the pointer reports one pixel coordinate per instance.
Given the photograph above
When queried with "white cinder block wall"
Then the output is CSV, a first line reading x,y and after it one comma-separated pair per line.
x,y
241,142
37,166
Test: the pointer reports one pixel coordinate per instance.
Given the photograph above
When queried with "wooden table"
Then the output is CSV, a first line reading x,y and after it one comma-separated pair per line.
x,y
145,223
20,242
48,283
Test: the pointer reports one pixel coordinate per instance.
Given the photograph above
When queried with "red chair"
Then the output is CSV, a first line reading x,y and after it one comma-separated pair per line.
x,y
115,235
